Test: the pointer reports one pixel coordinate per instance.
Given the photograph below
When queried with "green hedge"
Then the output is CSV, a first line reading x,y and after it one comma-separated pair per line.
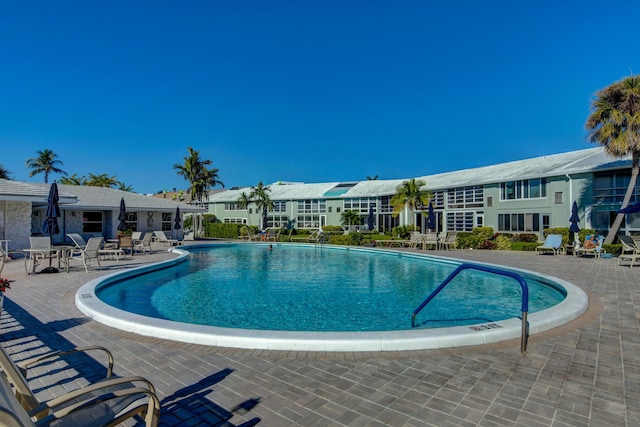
x,y
223,231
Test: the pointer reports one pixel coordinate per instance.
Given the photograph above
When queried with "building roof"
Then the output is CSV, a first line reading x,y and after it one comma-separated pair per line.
x,y
574,162
18,191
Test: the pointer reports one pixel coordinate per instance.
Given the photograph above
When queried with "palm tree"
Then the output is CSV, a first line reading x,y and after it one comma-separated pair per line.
x,y
102,180
72,180
124,187
260,195
614,123
243,202
409,195
200,178
372,178
4,173
351,217
46,163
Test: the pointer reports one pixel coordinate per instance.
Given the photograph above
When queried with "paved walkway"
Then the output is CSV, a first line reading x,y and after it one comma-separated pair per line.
x,y
587,373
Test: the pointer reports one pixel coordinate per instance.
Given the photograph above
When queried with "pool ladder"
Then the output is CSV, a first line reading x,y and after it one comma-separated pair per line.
x,y
523,284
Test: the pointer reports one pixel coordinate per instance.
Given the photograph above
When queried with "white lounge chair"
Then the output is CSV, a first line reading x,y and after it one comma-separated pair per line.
x,y
90,251
163,239
596,252
552,243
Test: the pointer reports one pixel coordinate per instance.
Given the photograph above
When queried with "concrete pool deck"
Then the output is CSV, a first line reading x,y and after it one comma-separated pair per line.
x,y
584,373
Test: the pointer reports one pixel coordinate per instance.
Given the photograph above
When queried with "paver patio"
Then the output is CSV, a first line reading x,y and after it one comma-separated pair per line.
x,y
585,373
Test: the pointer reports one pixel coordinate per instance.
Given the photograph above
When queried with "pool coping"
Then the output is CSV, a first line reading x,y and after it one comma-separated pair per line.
x,y
574,305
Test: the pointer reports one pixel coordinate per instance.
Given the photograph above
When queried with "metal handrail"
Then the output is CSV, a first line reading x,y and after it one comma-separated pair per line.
x,y
461,267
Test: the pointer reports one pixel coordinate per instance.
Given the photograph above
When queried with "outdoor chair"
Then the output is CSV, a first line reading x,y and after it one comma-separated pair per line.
x,y
110,401
164,240
449,241
273,235
596,252
39,251
78,241
143,244
430,239
90,251
552,243
628,245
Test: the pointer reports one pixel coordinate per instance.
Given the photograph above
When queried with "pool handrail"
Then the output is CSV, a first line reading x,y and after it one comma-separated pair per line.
x,y
487,269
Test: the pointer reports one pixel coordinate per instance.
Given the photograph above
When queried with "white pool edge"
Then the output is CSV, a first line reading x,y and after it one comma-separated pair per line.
x,y
574,305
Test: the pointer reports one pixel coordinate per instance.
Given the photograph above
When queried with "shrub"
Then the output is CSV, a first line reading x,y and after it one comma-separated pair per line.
x,y
223,231
524,246
464,239
503,243
525,237
404,231
613,249
487,244
563,231
351,239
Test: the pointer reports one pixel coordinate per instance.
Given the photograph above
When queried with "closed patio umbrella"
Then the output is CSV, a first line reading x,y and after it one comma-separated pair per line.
x,y
431,217
50,225
122,216
176,221
574,220
370,221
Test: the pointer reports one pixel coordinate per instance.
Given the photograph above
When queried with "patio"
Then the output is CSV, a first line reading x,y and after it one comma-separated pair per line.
x,y
585,373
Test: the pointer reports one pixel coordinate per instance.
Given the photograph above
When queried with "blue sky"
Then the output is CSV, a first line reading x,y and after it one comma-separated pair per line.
x,y
302,91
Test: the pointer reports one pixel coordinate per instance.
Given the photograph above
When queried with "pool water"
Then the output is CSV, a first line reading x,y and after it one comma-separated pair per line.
x,y
310,288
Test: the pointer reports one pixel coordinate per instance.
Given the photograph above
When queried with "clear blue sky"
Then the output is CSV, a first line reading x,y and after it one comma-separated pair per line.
x,y
299,90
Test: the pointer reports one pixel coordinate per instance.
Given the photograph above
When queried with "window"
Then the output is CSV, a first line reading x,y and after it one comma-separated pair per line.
x,y
558,197
524,189
235,221
92,222
359,205
279,206
522,222
611,187
460,221
465,197
166,221
312,206
230,206
308,221
132,221
277,221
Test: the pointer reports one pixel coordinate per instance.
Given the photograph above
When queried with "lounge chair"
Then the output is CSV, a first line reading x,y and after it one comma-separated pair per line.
x,y
628,245
311,238
596,252
107,402
552,243
77,240
189,236
164,240
273,235
90,251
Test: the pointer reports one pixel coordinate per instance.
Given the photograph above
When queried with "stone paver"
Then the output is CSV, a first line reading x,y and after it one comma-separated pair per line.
x,y
585,373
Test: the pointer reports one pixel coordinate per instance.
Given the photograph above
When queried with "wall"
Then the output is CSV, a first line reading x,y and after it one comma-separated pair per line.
x,y
18,224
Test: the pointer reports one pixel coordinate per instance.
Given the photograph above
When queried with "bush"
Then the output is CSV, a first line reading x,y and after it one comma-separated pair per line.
x,y
404,231
525,237
223,231
563,231
613,249
465,240
351,239
503,243
487,244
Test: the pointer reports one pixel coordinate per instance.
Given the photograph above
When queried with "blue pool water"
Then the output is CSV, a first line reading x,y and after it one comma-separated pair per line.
x,y
306,288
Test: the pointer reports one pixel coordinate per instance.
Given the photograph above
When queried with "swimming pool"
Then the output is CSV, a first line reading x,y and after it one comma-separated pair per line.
x,y
244,316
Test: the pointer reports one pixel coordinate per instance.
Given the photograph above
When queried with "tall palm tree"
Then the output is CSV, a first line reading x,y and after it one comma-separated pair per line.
x,y
102,180
4,173
260,195
372,178
351,217
72,180
243,202
46,163
614,123
410,195
200,178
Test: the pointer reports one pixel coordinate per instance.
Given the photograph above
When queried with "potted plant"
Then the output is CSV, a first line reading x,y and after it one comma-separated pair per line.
x,y
4,285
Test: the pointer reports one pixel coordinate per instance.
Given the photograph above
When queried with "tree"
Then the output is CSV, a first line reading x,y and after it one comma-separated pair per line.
x,y
46,163
409,195
102,180
614,123
4,173
200,178
124,187
372,178
260,195
351,217
243,202
72,180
